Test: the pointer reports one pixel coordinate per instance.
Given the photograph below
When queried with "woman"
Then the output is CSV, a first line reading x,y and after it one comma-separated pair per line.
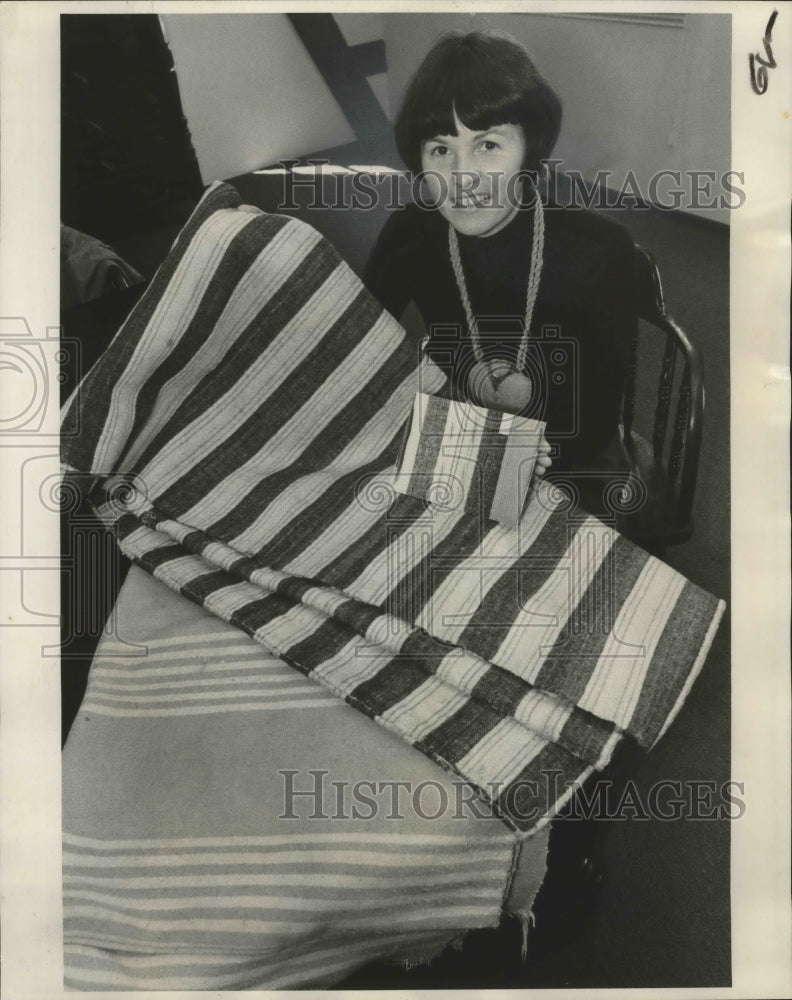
x,y
478,121
484,260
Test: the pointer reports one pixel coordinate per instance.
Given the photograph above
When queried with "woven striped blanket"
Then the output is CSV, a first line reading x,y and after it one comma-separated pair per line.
x,y
243,428
208,847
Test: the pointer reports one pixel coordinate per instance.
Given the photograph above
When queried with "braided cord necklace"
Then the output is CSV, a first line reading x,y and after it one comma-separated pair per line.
x,y
498,370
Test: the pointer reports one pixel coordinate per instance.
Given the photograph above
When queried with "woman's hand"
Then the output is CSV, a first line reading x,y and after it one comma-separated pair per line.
x,y
543,461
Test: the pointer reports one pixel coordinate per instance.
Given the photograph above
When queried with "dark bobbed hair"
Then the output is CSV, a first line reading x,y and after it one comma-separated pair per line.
x,y
488,79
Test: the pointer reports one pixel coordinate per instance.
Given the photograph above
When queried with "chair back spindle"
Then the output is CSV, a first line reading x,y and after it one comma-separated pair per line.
x,y
664,389
669,465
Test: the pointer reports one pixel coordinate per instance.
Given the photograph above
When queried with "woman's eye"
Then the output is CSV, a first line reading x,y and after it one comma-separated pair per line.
x,y
489,145
438,151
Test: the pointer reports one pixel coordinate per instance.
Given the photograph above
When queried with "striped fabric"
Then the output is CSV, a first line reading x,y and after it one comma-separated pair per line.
x,y
458,454
251,409
187,866
174,681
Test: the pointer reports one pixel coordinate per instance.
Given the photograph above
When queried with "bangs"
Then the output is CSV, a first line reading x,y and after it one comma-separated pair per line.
x,y
488,80
477,109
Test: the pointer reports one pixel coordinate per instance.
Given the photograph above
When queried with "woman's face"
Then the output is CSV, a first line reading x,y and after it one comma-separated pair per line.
x,y
472,176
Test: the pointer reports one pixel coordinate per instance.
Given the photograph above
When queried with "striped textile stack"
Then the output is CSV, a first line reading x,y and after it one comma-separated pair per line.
x,y
251,409
208,847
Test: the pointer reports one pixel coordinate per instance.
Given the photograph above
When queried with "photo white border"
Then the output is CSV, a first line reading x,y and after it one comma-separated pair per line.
x,y
30,772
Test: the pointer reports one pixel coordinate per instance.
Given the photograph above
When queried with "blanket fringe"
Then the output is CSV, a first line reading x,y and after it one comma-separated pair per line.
x,y
527,923
425,960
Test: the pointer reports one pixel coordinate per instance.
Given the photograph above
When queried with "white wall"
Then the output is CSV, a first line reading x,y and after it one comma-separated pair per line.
x,y
636,97
250,92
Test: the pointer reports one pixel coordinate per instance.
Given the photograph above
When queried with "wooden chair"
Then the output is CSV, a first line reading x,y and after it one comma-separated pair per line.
x,y
666,460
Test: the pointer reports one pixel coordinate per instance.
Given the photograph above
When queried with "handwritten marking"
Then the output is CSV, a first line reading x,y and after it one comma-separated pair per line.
x,y
759,77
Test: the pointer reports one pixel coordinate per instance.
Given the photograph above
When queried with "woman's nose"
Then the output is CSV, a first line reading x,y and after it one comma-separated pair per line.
x,y
466,177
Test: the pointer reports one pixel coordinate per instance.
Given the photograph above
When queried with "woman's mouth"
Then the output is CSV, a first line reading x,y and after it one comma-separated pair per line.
x,y
467,202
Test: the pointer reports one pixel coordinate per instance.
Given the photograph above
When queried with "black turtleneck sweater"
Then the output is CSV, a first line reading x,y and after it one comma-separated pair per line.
x,y
583,322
